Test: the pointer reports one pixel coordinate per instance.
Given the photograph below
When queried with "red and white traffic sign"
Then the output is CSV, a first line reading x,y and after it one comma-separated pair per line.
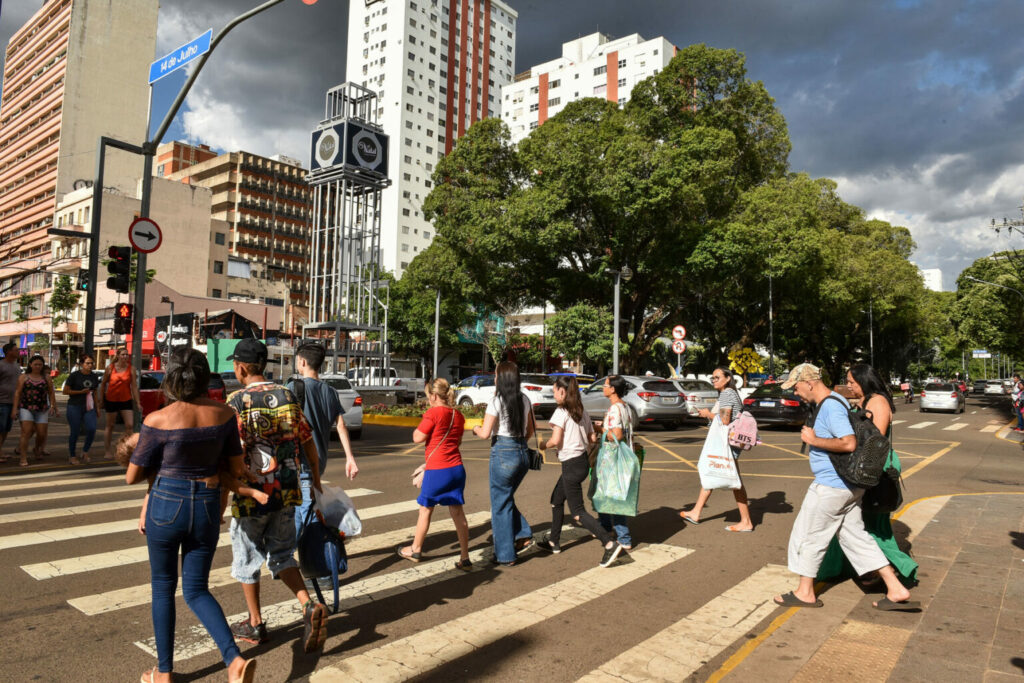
x,y
679,333
679,346
145,235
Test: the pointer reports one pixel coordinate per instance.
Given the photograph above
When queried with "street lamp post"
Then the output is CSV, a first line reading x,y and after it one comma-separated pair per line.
x,y
170,326
437,328
620,274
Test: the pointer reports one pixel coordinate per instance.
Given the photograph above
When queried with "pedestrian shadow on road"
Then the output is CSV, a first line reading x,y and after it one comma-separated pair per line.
x,y
772,503
1017,539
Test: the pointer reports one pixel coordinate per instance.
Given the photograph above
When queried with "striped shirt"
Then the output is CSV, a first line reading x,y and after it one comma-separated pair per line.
x,y
730,398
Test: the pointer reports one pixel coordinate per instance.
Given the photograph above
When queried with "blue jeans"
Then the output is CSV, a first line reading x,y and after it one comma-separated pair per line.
x,y
617,522
77,417
184,515
306,485
509,464
1020,417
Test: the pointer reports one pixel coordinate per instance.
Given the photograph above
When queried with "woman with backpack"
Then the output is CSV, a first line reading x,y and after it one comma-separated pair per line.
x,y
442,478
572,434
509,420
728,408
863,381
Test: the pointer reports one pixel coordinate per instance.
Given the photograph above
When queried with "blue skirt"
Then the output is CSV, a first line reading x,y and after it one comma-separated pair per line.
x,y
443,487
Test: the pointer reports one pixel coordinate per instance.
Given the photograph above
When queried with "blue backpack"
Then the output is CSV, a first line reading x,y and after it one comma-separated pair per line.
x,y
322,554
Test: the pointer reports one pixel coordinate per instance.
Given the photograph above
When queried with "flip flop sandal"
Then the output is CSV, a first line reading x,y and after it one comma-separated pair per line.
x,y
790,600
412,557
73,461
248,672
148,676
523,543
464,565
23,462
887,605
689,520
729,527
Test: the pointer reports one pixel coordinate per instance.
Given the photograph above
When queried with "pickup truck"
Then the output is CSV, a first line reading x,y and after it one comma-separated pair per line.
x,y
365,377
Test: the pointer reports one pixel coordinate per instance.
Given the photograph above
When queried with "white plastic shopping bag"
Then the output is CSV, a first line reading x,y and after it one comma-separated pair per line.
x,y
717,467
339,511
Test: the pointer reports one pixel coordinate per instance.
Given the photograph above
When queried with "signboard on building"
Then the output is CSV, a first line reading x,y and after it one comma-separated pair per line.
x,y
352,146
181,335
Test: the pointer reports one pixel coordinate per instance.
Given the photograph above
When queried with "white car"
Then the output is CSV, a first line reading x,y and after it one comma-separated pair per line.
x,y
351,403
474,390
994,386
540,389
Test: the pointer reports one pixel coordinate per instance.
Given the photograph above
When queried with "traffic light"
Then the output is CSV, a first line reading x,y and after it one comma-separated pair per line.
x,y
82,284
119,266
123,317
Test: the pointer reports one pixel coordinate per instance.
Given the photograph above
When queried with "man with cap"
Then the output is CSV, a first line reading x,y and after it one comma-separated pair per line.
x,y
831,506
273,432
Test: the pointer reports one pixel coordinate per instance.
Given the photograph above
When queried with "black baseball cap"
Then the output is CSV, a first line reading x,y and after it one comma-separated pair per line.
x,y
249,351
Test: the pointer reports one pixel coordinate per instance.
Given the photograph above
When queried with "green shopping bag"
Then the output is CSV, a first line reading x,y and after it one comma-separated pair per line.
x,y
615,486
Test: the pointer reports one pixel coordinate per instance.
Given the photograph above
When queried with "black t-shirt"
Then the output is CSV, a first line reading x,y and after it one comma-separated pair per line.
x,y
77,381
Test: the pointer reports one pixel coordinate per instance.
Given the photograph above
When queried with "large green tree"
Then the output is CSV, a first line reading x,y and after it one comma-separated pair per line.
x,y
582,332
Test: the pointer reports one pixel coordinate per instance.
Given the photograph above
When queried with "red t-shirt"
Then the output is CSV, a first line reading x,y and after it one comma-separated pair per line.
x,y
442,451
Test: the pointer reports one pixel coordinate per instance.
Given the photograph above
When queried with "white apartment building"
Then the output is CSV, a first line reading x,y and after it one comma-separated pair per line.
x,y
591,66
438,66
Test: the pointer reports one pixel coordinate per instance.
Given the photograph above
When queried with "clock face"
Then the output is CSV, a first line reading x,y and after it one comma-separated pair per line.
x,y
327,148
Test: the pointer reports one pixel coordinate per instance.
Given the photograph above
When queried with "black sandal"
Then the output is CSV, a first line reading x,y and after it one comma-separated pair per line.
x,y
464,565
412,557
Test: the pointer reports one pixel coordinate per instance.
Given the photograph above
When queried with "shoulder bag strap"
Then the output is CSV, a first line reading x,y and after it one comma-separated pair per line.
x,y
452,424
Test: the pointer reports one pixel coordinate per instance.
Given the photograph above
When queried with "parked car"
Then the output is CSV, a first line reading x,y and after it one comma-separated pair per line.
x,y
216,390
151,396
650,400
770,404
540,390
351,403
475,389
942,396
994,386
231,383
979,386
698,394
583,381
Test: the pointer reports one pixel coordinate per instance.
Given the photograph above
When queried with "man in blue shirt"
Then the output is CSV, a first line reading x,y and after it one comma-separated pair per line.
x,y
831,506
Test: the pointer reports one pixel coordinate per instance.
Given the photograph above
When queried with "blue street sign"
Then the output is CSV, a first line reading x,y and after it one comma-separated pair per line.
x,y
180,57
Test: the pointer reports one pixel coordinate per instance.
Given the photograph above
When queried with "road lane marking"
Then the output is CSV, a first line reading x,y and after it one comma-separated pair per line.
x,y
422,652
674,455
898,422
196,641
706,632
786,450
921,425
60,482
34,515
929,460
991,428
79,493
133,596
62,471
89,530
954,427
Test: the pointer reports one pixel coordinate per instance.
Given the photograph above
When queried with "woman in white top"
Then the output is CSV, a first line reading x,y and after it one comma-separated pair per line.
x,y
572,434
618,422
509,420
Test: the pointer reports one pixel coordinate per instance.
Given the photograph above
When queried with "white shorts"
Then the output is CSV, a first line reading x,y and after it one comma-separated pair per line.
x,y
38,416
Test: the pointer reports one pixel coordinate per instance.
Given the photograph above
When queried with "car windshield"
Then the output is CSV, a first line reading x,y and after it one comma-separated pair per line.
x,y
935,386
536,379
772,391
661,386
150,382
338,383
695,385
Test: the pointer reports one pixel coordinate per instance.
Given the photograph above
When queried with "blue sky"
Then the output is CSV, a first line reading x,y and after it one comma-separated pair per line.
x,y
912,106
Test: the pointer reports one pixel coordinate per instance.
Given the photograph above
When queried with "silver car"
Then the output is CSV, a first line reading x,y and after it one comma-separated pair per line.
x,y
942,396
699,394
351,403
994,387
651,400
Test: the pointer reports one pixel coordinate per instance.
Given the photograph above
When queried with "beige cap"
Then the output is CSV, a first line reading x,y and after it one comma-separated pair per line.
x,y
805,372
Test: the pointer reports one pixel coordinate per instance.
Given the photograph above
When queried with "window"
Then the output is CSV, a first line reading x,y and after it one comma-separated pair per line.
x,y
408,124
218,267
426,234
534,107
215,293
553,84
622,82
622,63
600,70
160,168
219,238
600,89
405,212
534,90
405,229
408,141
533,124
554,101
405,247
405,264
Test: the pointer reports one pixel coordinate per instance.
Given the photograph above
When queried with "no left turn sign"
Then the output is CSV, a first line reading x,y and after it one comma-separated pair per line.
x,y
145,235
679,332
679,346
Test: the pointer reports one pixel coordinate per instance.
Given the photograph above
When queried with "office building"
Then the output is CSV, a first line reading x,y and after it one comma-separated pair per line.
x,y
438,67
265,202
75,71
591,66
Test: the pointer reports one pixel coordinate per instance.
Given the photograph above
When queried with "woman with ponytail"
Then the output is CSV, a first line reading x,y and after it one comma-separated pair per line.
x,y
442,478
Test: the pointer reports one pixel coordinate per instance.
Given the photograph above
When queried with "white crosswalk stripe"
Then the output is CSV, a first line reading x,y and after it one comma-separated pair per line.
x,y
955,427
32,515
140,595
898,422
51,483
136,491
417,654
991,428
920,425
706,632
59,473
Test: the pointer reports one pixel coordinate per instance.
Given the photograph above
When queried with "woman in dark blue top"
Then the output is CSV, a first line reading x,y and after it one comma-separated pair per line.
x,y
181,450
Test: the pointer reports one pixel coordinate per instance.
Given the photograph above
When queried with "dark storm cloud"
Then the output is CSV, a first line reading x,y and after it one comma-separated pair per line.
x,y
913,106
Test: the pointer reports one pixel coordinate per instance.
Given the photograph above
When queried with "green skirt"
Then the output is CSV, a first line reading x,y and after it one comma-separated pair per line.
x,y
835,566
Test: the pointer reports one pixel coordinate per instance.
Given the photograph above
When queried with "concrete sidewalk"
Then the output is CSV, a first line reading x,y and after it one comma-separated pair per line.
x,y
970,549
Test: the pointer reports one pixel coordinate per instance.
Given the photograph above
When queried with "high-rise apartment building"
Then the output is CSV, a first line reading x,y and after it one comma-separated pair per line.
x,y
265,201
438,67
75,71
591,66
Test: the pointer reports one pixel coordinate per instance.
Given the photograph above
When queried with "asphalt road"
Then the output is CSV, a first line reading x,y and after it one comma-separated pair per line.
x,y
74,599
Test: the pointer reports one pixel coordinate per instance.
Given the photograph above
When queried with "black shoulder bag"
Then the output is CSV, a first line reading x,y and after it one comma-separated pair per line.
x,y
887,495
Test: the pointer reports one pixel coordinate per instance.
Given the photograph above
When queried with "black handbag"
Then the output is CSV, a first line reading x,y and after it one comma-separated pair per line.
x,y
887,495
322,554
536,458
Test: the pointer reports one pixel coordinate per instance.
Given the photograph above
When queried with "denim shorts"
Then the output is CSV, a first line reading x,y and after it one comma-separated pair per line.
x,y
266,538
6,412
38,416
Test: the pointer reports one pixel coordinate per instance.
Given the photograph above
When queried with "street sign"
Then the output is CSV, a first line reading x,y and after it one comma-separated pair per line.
x,y
679,346
679,333
980,353
105,330
178,58
145,235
